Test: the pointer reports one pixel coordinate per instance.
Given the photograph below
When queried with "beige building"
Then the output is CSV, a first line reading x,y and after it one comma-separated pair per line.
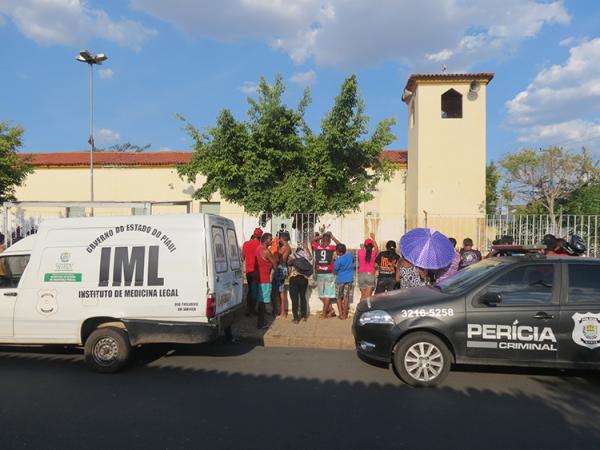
x,y
446,135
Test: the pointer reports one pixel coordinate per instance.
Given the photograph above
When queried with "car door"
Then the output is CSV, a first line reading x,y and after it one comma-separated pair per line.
x,y
515,316
580,314
11,270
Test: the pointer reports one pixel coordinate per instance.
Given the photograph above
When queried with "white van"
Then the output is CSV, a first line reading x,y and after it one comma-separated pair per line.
x,y
110,283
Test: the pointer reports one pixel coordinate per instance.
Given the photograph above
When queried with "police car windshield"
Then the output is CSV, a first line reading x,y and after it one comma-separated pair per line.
x,y
468,276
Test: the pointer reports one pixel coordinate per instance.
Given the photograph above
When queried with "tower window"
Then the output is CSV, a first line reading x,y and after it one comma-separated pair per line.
x,y
451,105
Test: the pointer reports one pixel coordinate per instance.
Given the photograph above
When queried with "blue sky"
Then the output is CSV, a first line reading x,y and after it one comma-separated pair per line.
x,y
198,57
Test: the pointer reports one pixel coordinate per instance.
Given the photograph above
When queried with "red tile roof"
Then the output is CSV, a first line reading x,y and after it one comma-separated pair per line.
x,y
82,159
141,159
415,77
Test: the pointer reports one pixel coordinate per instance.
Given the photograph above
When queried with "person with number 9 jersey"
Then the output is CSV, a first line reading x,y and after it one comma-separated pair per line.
x,y
324,252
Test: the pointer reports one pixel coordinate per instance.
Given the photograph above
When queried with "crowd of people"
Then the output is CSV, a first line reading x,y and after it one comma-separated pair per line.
x,y
327,265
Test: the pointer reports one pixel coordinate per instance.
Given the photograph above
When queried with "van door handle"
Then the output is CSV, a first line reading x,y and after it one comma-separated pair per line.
x,y
543,316
10,294
235,283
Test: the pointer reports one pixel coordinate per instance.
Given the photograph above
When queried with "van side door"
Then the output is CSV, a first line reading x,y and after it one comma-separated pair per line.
x,y
11,270
580,314
235,265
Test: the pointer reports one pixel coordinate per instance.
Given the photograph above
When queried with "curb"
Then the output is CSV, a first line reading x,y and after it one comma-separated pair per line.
x,y
337,343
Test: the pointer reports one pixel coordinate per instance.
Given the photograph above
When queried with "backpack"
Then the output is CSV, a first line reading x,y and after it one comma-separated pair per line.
x,y
303,266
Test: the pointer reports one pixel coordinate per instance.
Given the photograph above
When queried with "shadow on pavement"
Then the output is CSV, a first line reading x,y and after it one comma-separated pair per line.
x,y
175,405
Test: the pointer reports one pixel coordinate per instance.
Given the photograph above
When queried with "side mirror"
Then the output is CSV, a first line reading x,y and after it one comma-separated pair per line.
x,y
491,299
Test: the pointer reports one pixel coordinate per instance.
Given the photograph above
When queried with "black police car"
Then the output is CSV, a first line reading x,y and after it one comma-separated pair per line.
x,y
516,311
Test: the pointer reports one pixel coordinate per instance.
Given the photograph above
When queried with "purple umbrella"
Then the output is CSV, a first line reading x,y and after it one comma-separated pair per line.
x,y
427,248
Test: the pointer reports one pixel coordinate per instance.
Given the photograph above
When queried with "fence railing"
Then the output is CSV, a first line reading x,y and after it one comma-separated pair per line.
x,y
23,219
529,229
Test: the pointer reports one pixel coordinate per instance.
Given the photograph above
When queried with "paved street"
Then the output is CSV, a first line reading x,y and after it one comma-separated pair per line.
x,y
239,397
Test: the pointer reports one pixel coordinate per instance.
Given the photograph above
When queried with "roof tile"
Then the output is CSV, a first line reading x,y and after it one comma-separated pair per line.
x,y
141,159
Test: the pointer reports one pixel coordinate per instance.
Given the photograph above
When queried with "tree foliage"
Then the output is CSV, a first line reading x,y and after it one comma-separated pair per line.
x,y
546,177
585,200
13,169
125,147
492,176
273,162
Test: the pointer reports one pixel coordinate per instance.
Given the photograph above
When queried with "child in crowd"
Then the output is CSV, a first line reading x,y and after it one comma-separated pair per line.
x,y
344,271
468,255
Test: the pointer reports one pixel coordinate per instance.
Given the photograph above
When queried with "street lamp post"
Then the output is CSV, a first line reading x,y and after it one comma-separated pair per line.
x,y
90,59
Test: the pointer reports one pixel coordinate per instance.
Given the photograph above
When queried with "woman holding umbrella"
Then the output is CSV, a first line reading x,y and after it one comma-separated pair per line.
x,y
422,249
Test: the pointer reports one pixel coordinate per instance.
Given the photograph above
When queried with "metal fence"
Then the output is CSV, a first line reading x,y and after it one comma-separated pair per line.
x,y
22,219
530,229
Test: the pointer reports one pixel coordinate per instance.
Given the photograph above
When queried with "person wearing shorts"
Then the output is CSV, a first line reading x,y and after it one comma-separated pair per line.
x,y
324,251
344,278
265,261
278,295
387,262
366,267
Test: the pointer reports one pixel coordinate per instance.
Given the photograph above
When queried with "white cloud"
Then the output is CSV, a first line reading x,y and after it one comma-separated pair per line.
x,y
568,133
165,149
562,104
108,136
567,41
304,78
105,73
72,23
249,87
354,32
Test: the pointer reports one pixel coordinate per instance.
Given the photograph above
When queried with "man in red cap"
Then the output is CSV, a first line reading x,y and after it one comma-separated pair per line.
x,y
249,256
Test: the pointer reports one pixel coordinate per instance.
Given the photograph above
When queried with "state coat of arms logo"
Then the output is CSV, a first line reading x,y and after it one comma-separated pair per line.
x,y
586,331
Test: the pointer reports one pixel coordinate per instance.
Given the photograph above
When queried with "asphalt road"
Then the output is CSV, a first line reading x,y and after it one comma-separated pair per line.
x,y
237,397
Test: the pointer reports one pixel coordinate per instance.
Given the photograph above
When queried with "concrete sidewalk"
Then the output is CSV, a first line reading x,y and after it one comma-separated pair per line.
x,y
282,332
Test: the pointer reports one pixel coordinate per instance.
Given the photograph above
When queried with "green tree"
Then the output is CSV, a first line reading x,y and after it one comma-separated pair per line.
x,y
125,147
548,176
13,168
585,200
272,162
492,176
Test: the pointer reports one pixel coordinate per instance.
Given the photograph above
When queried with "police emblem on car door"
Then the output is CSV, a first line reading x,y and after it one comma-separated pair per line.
x,y
586,331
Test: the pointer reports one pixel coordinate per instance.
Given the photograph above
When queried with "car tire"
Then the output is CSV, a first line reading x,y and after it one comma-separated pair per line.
x,y
107,349
421,359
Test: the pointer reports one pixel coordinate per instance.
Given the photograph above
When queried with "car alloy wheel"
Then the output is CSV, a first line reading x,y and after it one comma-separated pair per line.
x,y
424,361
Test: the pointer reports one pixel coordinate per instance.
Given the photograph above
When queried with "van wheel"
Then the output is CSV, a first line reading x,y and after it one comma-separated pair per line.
x,y
107,349
421,359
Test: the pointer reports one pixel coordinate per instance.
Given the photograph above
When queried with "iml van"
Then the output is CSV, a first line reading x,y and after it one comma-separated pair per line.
x,y
111,283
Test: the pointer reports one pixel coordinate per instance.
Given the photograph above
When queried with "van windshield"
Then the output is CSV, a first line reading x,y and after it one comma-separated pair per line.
x,y
469,276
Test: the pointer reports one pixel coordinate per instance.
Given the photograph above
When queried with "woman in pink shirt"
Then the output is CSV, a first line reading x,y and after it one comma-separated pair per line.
x,y
366,267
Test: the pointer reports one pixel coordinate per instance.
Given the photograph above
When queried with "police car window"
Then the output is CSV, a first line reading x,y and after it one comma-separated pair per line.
x,y
219,249
525,285
232,245
11,269
469,276
584,283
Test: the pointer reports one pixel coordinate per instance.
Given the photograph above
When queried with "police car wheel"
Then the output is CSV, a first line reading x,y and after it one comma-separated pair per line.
x,y
421,359
107,349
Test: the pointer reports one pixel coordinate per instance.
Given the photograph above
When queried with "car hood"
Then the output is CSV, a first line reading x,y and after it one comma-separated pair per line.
x,y
406,298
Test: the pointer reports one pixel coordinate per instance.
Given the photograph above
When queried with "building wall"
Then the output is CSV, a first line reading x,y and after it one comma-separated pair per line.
x,y
384,215
446,174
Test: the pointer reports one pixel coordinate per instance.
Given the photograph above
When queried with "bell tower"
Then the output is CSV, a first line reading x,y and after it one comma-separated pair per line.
x,y
446,145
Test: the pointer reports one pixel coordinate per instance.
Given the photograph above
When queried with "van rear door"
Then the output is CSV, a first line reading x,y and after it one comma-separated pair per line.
x,y
226,284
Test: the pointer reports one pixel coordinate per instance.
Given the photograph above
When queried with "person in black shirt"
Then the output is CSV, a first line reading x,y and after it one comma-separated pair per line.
x,y
387,263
